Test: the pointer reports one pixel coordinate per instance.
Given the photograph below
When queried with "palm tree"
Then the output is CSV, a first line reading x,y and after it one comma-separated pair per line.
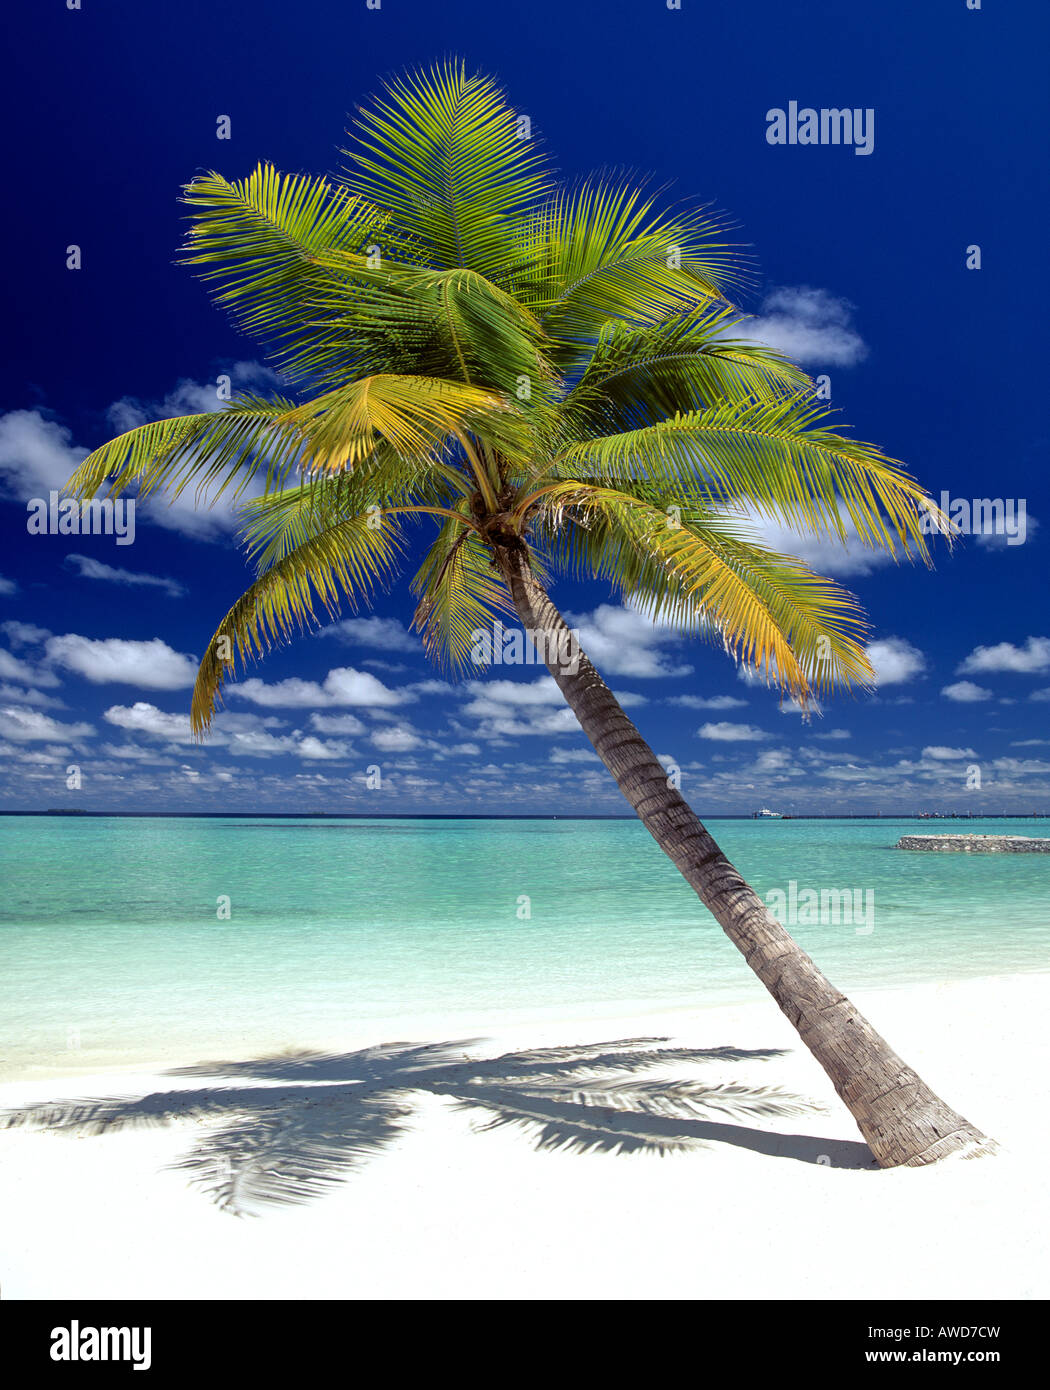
x,y
557,376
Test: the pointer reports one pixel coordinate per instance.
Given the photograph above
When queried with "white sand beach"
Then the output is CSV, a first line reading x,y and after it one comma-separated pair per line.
x,y
759,1207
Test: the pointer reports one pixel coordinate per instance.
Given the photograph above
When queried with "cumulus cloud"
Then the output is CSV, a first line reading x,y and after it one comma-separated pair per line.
x,y
14,668
724,732
245,736
621,641
28,725
396,739
382,634
151,665
543,691
37,454
342,686
20,696
941,754
316,749
895,660
708,702
142,717
966,693
574,755
1031,659
993,534
336,724
21,634
808,325
789,705
89,568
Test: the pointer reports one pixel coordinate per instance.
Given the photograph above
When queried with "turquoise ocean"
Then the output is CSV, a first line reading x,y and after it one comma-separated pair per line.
x,y
115,946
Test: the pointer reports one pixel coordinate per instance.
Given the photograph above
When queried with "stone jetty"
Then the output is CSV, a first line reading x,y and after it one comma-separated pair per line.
x,y
976,844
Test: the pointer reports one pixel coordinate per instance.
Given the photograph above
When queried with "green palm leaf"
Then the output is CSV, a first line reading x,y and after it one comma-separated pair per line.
x,y
344,561
262,240
215,449
773,455
459,594
704,576
443,154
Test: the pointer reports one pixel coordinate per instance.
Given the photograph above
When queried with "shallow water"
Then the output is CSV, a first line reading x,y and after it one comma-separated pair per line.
x,y
112,952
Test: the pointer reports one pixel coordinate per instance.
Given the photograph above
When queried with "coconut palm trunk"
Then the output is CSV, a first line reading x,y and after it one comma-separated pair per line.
x,y
903,1122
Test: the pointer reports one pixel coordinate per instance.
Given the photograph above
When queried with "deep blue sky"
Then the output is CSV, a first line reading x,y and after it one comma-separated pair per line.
x,y
861,263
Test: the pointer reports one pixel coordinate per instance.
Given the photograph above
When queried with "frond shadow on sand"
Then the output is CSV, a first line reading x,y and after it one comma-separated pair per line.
x,y
284,1129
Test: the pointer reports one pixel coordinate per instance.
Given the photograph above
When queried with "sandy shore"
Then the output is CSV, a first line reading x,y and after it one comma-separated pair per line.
x,y
777,1201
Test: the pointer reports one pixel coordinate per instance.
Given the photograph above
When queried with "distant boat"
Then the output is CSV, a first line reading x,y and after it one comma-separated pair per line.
x,y
767,814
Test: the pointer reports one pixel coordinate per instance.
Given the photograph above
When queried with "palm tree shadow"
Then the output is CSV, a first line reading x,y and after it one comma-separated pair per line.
x,y
301,1122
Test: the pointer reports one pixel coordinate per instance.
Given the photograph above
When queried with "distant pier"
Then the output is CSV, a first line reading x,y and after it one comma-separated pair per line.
x,y
976,844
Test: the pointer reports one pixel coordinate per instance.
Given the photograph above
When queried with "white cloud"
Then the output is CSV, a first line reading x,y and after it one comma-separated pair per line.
x,y
145,718
1031,659
88,568
7,587
710,702
941,754
398,739
895,660
808,325
966,693
26,725
243,735
574,755
21,634
336,724
621,641
18,696
774,760
542,691
835,734
316,749
342,686
189,397
13,668
36,454
724,732
151,665
382,634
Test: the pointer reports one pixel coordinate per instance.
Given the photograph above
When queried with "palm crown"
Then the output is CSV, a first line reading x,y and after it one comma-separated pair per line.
x,y
553,370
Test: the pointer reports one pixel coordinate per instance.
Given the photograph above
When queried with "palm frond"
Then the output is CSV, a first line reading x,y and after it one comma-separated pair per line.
x,y
603,252
639,376
343,561
775,456
443,153
262,240
700,574
416,415
276,523
453,324
459,594
250,437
